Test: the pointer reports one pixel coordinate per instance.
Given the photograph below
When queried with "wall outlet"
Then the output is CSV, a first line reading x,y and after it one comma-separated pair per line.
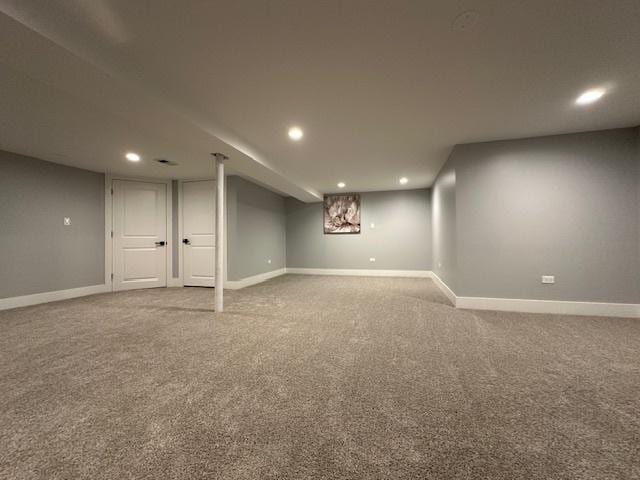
x,y
548,279
269,261
373,225
66,221
372,259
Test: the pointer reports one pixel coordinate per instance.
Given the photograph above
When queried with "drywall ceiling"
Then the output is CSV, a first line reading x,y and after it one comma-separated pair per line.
x,y
382,89
58,107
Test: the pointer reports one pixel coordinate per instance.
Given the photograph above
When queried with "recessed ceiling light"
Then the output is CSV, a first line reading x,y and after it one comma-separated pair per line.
x,y
295,133
404,180
590,96
133,157
342,185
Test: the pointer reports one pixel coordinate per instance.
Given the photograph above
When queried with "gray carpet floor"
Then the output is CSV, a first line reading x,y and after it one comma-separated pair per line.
x,y
309,377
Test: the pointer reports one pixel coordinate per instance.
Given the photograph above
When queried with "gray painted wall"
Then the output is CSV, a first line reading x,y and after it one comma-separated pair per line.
x,y
638,186
256,229
563,205
638,190
37,253
401,239
445,257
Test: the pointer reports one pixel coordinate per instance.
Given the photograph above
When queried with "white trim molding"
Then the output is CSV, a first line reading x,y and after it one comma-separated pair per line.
x,y
179,280
628,310
445,289
356,272
253,280
108,221
558,307
46,297
108,226
174,282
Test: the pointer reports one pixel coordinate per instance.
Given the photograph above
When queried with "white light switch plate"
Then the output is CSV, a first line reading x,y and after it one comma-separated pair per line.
x,y
548,279
66,221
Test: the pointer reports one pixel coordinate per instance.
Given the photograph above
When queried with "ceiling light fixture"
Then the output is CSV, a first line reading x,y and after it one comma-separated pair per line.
x,y
295,133
132,157
404,180
342,185
590,96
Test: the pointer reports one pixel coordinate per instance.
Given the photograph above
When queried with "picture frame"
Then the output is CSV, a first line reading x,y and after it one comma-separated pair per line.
x,y
341,214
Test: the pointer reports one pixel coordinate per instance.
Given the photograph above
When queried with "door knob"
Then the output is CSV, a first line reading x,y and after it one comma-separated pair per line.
x,y
186,241
160,244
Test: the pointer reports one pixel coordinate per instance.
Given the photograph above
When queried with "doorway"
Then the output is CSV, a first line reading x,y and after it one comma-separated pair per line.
x,y
139,234
198,227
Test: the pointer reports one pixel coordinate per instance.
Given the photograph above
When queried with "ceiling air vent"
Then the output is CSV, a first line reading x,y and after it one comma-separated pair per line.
x,y
164,161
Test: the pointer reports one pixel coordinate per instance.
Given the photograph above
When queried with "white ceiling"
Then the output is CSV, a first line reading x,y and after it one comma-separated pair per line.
x,y
382,89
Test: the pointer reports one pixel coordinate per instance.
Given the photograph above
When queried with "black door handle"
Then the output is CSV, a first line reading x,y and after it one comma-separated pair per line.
x,y
186,241
160,244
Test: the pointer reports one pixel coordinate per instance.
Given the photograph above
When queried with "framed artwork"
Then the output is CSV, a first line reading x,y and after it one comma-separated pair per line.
x,y
341,214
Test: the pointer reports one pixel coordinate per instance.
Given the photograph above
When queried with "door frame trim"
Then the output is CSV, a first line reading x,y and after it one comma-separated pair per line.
x,y
181,223
108,224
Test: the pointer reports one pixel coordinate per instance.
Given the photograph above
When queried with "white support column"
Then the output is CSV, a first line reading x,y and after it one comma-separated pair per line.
x,y
220,231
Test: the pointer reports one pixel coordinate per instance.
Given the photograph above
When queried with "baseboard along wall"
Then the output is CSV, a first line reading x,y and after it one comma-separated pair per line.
x,y
46,297
627,310
445,288
558,307
361,272
254,279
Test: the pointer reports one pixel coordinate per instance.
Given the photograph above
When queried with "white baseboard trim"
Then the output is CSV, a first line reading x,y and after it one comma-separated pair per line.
x,y
445,289
361,272
628,310
253,280
174,282
558,307
45,297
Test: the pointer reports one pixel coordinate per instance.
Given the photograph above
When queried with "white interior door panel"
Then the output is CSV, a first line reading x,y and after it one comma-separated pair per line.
x,y
139,235
198,214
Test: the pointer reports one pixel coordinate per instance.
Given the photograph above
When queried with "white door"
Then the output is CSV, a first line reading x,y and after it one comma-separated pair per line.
x,y
198,227
139,235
